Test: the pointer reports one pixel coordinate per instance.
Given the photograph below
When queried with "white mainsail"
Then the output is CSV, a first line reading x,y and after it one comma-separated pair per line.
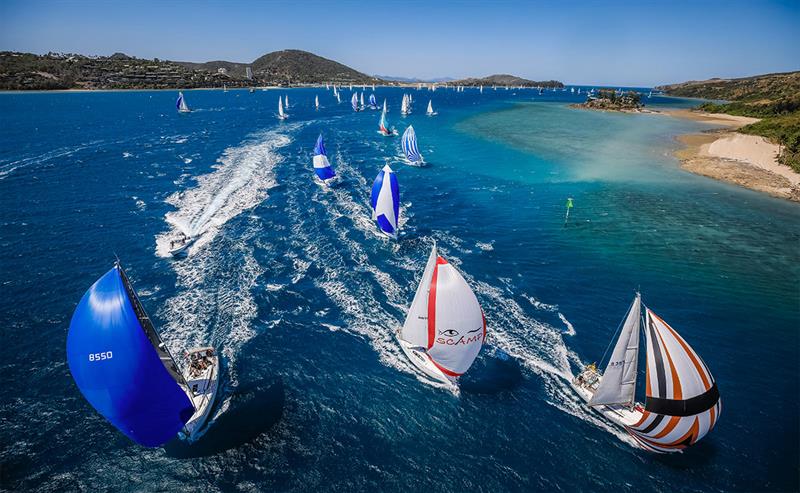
x,y
287,101
618,385
384,105
361,100
281,114
316,102
404,105
430,108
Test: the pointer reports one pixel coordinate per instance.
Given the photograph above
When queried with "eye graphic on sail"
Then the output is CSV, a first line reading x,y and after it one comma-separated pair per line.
x,y
445,328
385,202
682,402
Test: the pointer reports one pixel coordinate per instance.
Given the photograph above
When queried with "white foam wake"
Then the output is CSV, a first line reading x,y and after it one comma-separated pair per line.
x,y
215,304
242,177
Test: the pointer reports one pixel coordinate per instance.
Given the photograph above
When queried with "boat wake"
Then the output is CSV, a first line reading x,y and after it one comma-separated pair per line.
x,y
243,176
215,303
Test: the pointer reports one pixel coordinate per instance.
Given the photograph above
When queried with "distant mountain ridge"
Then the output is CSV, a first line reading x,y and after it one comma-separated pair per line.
x,y
28,71
505,80
290,67
748,89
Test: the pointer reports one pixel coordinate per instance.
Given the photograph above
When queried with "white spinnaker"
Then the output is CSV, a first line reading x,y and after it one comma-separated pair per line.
x,y
457,320
415,328
618,385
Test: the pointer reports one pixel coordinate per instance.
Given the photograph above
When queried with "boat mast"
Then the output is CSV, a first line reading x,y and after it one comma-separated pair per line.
x,y
163,352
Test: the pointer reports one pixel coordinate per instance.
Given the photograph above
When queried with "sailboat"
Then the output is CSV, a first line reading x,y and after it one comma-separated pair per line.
x,y
405,106
322,167
373,103
361,105
430,111
281,114
383,125
410,148
338,98
682,402
354,102
180,103
224,88
445,328
128,375
385,202
373,87
384,106
287,102
316,102
481,90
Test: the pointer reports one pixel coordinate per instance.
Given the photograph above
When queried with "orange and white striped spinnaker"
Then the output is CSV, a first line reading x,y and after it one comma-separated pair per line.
x,y
683,402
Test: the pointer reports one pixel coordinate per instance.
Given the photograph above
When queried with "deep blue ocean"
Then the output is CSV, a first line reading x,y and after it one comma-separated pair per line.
x,y
293,285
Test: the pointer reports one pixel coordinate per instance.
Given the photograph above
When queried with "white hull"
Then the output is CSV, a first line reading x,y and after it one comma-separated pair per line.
x,y
203,385
621,415
423,363
182,248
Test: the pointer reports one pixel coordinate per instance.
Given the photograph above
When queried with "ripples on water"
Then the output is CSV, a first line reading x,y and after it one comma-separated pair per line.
x,y
293,284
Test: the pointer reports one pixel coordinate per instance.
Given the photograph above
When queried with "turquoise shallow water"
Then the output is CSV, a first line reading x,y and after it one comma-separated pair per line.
x,y
293,285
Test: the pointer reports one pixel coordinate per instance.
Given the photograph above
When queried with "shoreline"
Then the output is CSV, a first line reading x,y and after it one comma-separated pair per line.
x,y
749,161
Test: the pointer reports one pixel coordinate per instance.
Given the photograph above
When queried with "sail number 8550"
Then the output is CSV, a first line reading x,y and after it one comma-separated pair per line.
x,y
100,356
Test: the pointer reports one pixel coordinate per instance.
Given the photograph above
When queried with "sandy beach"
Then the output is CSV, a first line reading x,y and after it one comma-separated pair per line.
x,y
749,161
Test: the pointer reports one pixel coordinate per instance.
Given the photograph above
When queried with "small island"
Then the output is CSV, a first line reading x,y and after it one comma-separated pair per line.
x,y
611,100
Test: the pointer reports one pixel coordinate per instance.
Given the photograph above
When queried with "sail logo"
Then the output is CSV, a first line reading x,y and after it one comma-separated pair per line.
x,y
453,338
101,356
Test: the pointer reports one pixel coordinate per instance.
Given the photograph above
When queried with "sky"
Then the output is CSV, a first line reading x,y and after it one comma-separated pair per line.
x,y
577,42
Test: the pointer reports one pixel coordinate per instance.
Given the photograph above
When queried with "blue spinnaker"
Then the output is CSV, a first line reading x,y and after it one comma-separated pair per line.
x,y
118,368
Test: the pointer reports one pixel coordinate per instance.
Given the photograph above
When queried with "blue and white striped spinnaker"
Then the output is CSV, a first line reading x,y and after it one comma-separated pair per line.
x,y
409,144
322,167
373,103
385,201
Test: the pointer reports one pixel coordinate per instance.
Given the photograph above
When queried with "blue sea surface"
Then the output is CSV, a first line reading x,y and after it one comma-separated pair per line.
x,y
302,297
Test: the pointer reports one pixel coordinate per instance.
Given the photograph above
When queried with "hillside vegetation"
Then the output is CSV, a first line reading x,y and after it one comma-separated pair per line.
x,y
504,80
775,98
27,71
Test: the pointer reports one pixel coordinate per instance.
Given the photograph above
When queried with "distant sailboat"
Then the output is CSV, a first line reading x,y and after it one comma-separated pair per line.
x,y
384,106
287,102
281,114
354,102
316,102
181,104
405,106
481,90
373,87
322,167
362,101
338,98
383,126
682,400
385,202
127,374
430,111
373,103
410,148
445,328
224,88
